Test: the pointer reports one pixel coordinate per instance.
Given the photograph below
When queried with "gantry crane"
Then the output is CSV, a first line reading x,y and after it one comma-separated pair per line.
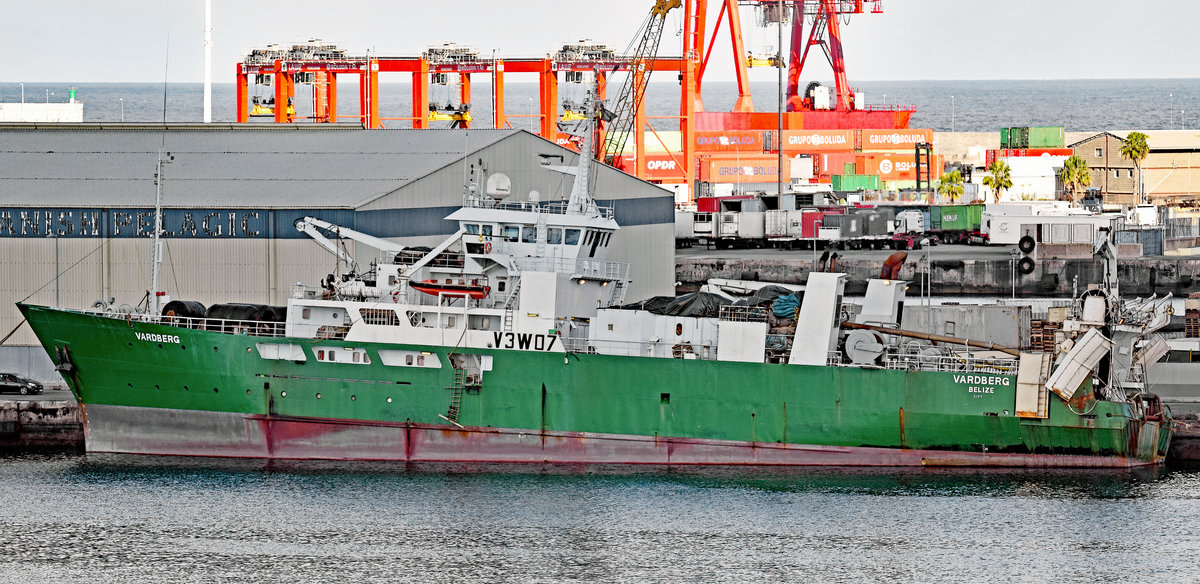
x,y
824,31
633,89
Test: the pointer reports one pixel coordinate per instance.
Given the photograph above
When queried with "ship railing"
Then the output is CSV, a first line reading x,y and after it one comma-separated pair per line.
x,y
577,268
254,328
555,207
660,349
743,313
1003,366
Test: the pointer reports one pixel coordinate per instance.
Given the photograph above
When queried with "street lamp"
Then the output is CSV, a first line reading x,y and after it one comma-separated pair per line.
x,y
924,269
1012,266
951,113
122,100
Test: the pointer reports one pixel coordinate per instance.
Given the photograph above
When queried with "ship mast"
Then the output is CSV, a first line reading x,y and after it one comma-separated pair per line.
x,y
156,252
581,201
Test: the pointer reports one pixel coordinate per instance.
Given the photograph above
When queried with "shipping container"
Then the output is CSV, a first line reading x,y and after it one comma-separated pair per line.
x,y
818,140
761,168
729,141
991,156
855,182
831,163
1046,137
1005,139
894,140
664,167
777,221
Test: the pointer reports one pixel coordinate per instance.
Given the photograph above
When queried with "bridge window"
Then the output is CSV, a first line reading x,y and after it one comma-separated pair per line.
x,y
511,232
487,230
529,234
554,236
571,237
472,229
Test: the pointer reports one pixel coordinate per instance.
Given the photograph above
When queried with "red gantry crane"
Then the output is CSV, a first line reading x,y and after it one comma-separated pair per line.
x,y
813,23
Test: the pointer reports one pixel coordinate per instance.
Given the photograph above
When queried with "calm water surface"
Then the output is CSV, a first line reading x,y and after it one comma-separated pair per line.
x,y
138,519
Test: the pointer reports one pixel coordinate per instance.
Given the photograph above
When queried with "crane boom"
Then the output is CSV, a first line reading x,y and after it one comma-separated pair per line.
x,y
311,226
633,89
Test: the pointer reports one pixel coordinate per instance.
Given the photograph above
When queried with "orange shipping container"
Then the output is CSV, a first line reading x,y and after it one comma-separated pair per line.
x,y
659,167
874,140
818,141
744,169
896,166
729,141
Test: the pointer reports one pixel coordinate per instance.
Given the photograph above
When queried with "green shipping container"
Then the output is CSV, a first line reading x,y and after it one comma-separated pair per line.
x,y
956,217
854,182
935,218
1018,137
1005,141
1047,137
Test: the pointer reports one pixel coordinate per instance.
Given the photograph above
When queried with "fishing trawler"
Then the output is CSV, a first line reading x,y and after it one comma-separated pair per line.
x,y
511,341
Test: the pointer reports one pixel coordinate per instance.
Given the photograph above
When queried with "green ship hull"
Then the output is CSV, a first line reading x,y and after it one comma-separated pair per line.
x,y
151,388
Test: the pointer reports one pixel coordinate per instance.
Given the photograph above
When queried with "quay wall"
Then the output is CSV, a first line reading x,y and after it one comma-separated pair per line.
x,y
51,425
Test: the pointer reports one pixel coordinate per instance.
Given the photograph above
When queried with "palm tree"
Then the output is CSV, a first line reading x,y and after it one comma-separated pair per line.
x,y
951,185
1075,176
1136,149
998,178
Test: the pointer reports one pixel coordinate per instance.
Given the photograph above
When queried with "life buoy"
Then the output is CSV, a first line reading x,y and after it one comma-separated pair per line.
x,y
395,297
487,290
487,247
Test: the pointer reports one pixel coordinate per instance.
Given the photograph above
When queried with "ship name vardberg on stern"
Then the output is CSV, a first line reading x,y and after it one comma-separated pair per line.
x,y
511,342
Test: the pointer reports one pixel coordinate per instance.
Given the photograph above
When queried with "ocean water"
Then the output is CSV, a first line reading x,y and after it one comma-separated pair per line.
x,y
74,518
974,106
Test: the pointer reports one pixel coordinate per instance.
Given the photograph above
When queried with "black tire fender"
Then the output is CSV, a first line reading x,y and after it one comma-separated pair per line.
x,y
1025,265
1026,244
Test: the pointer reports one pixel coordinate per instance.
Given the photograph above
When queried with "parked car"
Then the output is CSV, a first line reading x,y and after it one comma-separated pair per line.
x,y
10,383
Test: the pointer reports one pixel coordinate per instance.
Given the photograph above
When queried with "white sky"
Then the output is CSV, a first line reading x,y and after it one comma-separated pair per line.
x,y
80,41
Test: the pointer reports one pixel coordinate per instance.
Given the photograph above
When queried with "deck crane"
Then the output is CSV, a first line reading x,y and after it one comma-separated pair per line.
x,y
633,90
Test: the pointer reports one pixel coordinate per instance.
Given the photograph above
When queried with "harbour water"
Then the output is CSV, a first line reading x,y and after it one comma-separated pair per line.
x,y
964,106
138,519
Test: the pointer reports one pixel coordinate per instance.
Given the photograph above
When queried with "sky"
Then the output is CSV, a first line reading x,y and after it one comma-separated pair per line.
x,y
80,41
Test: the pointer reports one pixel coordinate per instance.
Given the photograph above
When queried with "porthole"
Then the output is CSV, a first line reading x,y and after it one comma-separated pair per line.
x,y
389,400
185,388
318,396
215,390
283,394
353,398
215,349
247,392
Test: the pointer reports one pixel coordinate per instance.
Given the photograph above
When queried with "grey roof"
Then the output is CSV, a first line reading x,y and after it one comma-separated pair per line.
x,y
234,166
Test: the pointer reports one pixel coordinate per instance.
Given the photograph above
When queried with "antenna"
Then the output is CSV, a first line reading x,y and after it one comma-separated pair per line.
x,y
208,61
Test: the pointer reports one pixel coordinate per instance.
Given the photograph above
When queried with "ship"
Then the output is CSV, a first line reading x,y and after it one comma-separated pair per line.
x,y
512,342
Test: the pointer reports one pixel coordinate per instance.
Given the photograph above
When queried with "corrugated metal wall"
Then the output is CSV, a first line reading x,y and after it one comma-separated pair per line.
x,y
214,270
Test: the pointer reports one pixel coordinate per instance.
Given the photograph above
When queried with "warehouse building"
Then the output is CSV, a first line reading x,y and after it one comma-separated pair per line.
x,y
78,202
1170,172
